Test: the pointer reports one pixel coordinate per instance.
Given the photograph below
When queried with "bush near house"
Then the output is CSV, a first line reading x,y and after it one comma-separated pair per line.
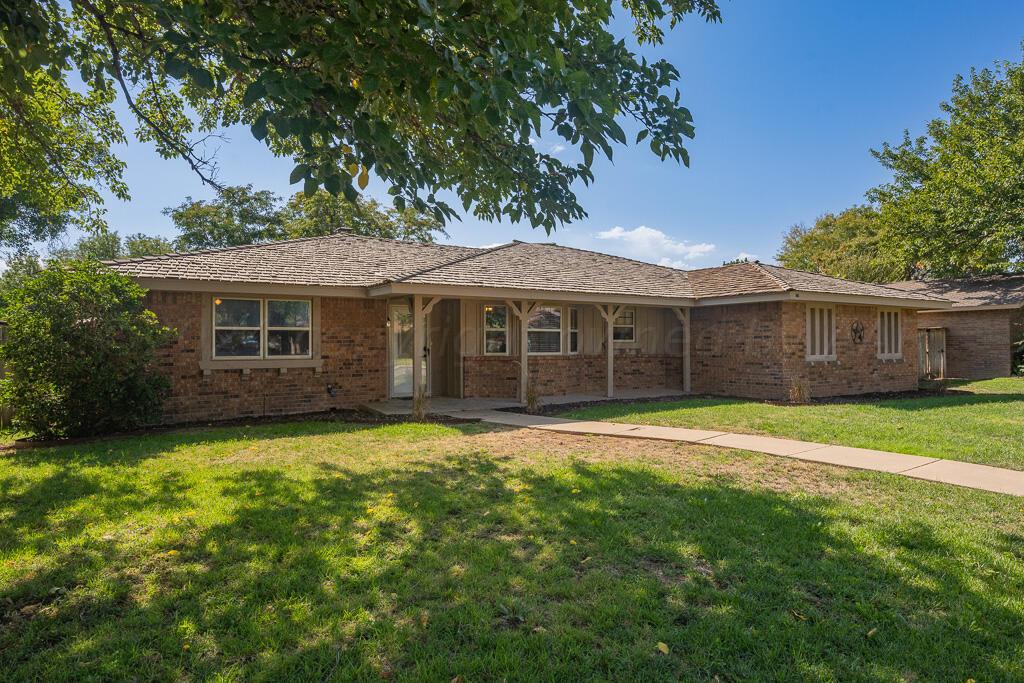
x,y
79,352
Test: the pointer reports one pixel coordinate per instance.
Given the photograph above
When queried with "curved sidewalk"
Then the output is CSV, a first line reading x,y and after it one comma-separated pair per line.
x,y
984,477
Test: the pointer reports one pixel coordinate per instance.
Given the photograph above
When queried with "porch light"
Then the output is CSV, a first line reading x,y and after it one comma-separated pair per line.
x,y
488,309
217,302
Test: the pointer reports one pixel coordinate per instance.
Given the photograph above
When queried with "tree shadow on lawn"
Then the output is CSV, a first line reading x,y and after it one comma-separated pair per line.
x,y
470,566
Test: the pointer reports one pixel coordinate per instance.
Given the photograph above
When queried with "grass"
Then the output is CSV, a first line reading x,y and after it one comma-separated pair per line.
x,y
326,551
980,422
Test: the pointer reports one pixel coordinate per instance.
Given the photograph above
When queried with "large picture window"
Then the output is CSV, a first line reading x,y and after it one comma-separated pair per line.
x,y
624,329
890,337
544,331
495,330
261,328
821,333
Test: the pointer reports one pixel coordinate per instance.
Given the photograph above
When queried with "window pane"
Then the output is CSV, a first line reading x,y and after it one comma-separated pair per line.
x,y
288,314
495,342
287,343
546,318
237,343
237,313
544,342
622,334
495,317
574,318
574,341
626,318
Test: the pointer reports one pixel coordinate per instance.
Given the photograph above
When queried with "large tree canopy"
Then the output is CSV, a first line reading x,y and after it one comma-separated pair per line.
x,y
955,204
428,95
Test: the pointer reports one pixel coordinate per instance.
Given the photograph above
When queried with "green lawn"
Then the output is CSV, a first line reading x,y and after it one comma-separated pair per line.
x,y
978,421
319,550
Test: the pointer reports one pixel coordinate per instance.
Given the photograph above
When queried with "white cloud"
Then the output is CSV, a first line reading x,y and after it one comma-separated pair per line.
x,y
653,245
744,255
556,148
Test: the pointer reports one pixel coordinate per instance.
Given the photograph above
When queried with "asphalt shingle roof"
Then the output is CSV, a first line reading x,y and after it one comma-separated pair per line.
x,y
346,260
992,290
340,260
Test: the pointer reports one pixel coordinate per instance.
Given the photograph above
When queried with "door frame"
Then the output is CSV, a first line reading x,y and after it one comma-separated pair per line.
x,y
392,334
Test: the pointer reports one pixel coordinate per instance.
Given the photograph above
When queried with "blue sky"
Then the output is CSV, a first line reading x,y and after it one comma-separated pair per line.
x,y
787,97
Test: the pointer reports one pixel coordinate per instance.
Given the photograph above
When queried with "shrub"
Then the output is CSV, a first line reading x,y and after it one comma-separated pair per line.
x,y
79,352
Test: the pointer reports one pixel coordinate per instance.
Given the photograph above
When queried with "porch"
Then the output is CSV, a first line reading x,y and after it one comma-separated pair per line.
x,y
444,405
564,350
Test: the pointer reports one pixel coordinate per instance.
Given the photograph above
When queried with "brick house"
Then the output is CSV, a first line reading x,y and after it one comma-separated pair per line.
x,y
976,337
337,322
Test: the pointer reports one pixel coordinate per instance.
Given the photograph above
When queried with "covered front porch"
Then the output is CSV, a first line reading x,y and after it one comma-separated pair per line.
x,y
510,351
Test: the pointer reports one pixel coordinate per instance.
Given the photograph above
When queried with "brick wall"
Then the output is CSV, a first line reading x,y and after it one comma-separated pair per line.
x,y
857,368
759,351
498,376
353,345
737,351
977,342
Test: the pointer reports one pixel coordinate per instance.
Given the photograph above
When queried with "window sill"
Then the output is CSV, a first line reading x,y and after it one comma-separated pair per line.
x,y
891,359
822,359
261,364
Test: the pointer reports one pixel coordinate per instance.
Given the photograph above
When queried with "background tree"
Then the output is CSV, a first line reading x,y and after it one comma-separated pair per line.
x,y
79,352
238,216
241,215
849,245
323,214
955,204
426,95
107,245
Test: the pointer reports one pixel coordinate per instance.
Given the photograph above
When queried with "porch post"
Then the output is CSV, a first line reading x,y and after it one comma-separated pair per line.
x,y
524,343
418,322
610,312
683,314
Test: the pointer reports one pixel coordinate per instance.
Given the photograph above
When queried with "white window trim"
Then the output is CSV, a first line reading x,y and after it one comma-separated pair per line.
x,y
898,355
508,337
560,330
632,328
807,331
570,329
263,329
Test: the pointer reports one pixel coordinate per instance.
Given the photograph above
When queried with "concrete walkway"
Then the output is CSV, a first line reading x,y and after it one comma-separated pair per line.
x,y
997,479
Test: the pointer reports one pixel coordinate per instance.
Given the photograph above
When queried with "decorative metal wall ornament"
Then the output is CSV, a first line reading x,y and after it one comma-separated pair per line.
x,y
857,332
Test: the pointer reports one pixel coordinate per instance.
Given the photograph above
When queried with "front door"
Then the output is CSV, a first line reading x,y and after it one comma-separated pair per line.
x,y
400,350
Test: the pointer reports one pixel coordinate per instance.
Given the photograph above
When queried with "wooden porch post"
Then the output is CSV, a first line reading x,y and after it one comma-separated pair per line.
x,y
522,311
420,311
610,312
683,314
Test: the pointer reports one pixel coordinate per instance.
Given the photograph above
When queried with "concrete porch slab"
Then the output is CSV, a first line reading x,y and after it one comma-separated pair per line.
x,y
971,475
763,444
863,458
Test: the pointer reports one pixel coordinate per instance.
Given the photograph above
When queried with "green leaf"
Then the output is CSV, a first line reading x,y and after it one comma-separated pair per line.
x,y
298,173
310,186
253,93
259,127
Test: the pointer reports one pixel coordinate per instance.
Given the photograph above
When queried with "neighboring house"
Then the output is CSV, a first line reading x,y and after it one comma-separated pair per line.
x,y
340,321
980,330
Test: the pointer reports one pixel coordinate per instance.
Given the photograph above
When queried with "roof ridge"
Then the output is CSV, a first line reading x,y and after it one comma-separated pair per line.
x,y
291,240
782,283
465,257
614,256
886,286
